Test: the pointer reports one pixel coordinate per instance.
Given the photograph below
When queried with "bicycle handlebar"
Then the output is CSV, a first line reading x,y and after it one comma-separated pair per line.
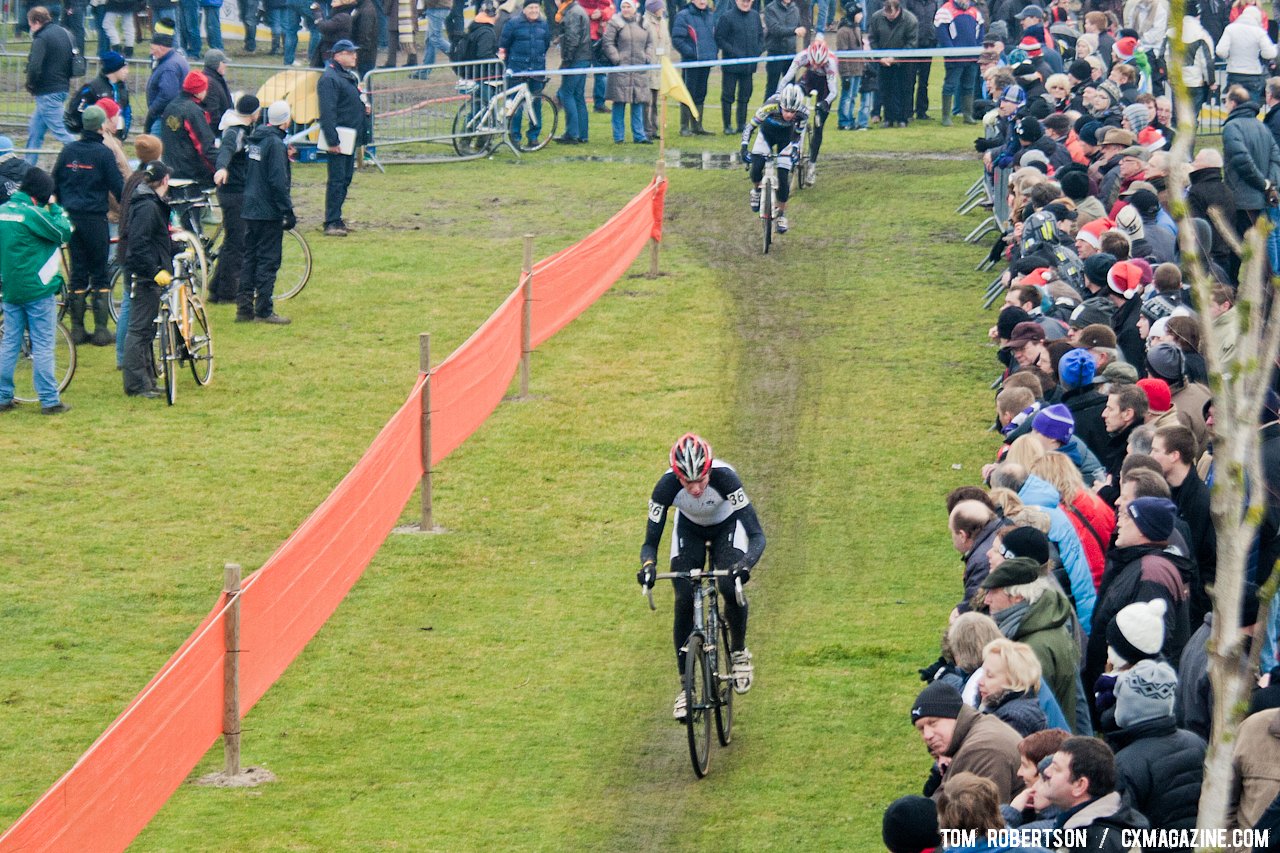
x,y
647,591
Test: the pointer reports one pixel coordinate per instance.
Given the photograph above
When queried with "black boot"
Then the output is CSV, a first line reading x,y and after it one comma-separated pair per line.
x,y
742,116
101,315
686,118
76,307
698,129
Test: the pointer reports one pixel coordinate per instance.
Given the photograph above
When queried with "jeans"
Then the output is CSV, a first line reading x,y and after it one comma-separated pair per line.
x,y
1267,660
1253,84
436,37
599,82
47,116
826,14
535,120
960,77
213,27
867,103
849,87
189,27
637,122
122,321
38,318
341,168
573,97
291,20
248,10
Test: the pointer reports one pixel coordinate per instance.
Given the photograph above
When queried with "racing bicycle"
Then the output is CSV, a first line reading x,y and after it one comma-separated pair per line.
x,y
487,117
708,672
182,329
768,194
799,174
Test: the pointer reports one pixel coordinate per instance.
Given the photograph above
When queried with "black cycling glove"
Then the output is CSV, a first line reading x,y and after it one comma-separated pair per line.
x,y
645,576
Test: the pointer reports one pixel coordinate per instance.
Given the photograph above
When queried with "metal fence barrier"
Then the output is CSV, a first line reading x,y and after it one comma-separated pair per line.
x,y
419,109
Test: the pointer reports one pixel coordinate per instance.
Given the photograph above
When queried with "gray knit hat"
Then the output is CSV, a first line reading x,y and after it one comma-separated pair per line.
x,y
1138,116
1145,692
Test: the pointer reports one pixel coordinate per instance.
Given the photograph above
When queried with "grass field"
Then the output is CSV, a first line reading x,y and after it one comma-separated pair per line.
x,y
503,685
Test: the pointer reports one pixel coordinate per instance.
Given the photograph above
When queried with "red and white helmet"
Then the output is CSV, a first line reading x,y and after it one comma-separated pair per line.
x,y
819,53
690,457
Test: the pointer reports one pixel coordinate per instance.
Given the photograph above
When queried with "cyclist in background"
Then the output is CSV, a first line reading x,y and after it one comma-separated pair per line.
x,y
816,70
711,507
781,121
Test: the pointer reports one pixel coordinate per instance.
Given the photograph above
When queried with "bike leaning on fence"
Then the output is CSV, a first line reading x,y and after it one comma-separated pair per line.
x,y
708,672
488,115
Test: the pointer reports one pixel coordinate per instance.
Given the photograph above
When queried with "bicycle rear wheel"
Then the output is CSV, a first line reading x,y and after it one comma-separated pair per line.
x,y
465,141
766,213
723,681
64,364
698,704
295,265
550,124
169,355
200,344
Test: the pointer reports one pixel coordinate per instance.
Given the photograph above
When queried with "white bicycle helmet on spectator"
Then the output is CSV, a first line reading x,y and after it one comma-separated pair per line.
x,y
791,98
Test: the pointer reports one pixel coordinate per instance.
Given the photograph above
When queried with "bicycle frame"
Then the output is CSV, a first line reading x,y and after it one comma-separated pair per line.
x,y
495,117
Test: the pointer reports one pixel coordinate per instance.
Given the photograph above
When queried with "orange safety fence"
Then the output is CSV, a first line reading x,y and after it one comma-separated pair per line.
x,y
116,787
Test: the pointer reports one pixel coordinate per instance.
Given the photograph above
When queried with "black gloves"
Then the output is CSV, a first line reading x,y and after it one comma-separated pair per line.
x,y
741,573
290,220
745,155
645,576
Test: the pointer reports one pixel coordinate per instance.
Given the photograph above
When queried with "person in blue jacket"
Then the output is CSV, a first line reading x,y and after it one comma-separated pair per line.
x,y
693,34
168,70
524,48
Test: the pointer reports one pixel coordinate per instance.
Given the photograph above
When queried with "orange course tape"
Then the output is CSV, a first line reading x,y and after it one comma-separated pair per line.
x,y
116,787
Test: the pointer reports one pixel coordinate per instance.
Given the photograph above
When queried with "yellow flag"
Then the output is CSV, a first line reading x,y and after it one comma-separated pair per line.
x,y
673,87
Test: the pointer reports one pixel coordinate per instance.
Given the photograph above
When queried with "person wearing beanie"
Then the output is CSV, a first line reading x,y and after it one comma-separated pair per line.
x,y
168,71
229,177
189,143
217,99
147,258
87,178
343,105
1055,427
1096,269
112,83
268,213
1141,568
12,169
32,231
1207,190
1076,373
910,825
975,743
147,148
1159,766
1136,634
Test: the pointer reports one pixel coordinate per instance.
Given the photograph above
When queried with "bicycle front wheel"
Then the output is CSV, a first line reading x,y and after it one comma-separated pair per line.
x,y
200,344
465,141
295,265
169,356
550,124
766,214
64,364
698,704
723,680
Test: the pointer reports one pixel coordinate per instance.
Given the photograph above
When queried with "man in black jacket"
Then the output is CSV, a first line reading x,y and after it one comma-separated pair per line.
x,y
184,129
111,82
217,99
342,113
268,213
85,175
739,34
48,79
229,179
782,30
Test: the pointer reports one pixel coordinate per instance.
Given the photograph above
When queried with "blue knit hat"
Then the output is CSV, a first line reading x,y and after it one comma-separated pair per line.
x,y
1077,368
1055,422
111,62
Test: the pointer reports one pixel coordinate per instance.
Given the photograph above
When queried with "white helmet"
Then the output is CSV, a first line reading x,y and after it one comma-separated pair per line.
x,y
791,98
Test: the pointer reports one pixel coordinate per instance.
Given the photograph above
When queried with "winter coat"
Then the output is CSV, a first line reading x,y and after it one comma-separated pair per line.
x,y
661,47
1214,16
1191,710
987,746
976,563
1086,406
1095,522
364,32
150,249
849,37
231,156
693,34
606,10
1037,492
575,35
898,34
1141,573
49,62
924,12
780,22
1197,54
268,176
956,27
86,175
740,35
526,44
1159,769
1019,711
1046,628
217,100
1252,157
188,140
1151,19
1104,821
1256,762
30,238
338,94
331,30
1125,324
1244,44
628,43
164,84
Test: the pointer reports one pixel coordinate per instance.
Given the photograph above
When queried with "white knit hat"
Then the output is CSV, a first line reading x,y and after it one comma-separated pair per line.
x,y
1136,633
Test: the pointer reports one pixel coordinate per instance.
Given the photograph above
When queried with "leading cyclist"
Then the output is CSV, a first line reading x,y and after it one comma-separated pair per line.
x,y
816,70
781,121
711,507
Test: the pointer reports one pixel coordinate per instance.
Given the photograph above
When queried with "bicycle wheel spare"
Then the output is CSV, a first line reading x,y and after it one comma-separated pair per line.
x,y
295,265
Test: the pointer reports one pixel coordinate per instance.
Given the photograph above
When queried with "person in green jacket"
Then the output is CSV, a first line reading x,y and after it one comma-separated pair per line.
x,y
32,230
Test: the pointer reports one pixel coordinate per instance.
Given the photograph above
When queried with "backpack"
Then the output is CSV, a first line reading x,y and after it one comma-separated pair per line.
x,y
462,49
72,115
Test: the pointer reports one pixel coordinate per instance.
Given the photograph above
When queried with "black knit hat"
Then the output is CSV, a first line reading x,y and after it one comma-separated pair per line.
x,y
937,700
911,825
1009,318
1027,542
1097,266
1075,183
1081,70
37,184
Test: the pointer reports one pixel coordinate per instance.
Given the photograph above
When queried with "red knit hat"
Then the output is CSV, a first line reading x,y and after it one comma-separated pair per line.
x,y
195,83
109,106
1158,397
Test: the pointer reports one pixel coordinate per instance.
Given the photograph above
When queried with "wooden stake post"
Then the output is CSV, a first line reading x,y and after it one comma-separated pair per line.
x,y
426,524
231,674
526,323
